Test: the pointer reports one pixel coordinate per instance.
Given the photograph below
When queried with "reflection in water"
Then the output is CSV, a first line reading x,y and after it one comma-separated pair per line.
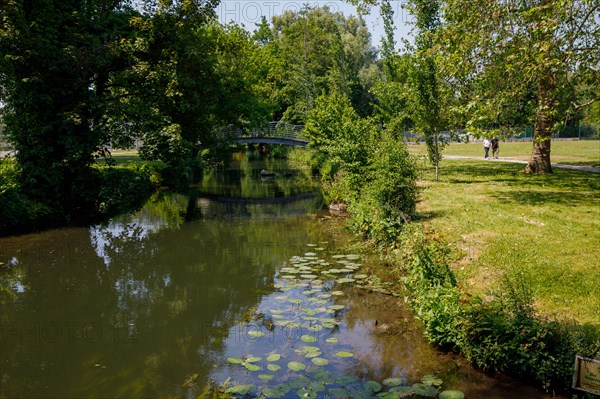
x,y
132,307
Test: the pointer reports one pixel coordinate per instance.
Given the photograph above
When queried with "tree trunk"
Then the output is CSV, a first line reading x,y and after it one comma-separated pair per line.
x,y
540,154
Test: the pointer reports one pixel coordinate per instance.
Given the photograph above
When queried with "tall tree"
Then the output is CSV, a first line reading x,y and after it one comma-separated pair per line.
x,y
529,53
56,57
315,51
424,79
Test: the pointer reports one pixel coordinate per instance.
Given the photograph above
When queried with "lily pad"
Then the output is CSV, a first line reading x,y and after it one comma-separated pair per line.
x,y
274,357
239,389
431,380
372,386
403,390
319,361
266,377
306,393
273,367
344,354
346,379
235,360
425,390
296,366
255,333
276,391
253,359
393,382
252,367
451,394
308,338
332,340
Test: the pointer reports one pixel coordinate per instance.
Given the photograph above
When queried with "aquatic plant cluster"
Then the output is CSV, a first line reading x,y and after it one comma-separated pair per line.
x,y
294,349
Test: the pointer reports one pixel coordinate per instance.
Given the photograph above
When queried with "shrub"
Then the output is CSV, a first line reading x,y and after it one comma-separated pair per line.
x,y
16,210
502,333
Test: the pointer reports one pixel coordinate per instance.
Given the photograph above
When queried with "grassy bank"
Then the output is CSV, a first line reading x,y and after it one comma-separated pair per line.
x,y
583,153
498,265
506,223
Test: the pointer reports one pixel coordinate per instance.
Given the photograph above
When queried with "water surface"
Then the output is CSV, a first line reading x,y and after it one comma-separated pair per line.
x,y
154,304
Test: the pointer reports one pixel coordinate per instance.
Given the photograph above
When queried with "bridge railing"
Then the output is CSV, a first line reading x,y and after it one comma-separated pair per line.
x,y
272,129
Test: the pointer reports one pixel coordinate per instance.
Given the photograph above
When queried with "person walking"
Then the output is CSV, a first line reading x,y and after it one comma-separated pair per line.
x,y
486,147
495,147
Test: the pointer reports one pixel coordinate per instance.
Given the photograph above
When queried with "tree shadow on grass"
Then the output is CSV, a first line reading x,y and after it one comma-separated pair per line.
x,y
568,187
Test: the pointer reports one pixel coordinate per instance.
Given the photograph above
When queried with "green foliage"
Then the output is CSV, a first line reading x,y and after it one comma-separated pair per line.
x,y
15,208
368,169
501,333
531,63
123,189
312,51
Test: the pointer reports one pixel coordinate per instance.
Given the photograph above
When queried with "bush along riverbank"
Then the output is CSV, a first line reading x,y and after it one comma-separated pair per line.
x,y
104,192
500,333
370,173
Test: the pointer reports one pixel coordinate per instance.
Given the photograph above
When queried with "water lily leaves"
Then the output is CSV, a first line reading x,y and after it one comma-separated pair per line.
x,y
344,280
337,293
346,379
296,366
252,367
308,338
332,340
316,327
299,382
402,390
310,254
353,257
344,354
273,367
425,390
337,307
393,382
319,361
390,395
306,393
431,380
235,360
361,276
372,386
312,354
266,377
451,394
277,391
255,333
253,359
239,389
273,357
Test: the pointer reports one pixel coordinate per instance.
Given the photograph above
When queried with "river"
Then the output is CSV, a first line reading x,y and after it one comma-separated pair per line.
x,y
243,284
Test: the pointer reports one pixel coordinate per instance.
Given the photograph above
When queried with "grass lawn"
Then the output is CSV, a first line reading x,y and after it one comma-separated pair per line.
x,y
125,157
539,230
585,152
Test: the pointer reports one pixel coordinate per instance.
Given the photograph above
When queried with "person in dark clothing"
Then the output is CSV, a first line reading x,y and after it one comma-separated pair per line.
x,y
495,147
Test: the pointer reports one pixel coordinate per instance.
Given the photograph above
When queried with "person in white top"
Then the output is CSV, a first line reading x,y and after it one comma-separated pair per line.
x,y
486,147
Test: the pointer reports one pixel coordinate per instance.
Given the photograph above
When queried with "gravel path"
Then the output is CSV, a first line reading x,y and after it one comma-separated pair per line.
x,y
590,169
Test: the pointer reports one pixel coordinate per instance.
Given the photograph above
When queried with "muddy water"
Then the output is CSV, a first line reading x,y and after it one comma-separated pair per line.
x,y
161,302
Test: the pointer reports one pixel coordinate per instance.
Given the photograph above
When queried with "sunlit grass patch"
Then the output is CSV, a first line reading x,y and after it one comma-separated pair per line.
x,y
507,223
584,152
